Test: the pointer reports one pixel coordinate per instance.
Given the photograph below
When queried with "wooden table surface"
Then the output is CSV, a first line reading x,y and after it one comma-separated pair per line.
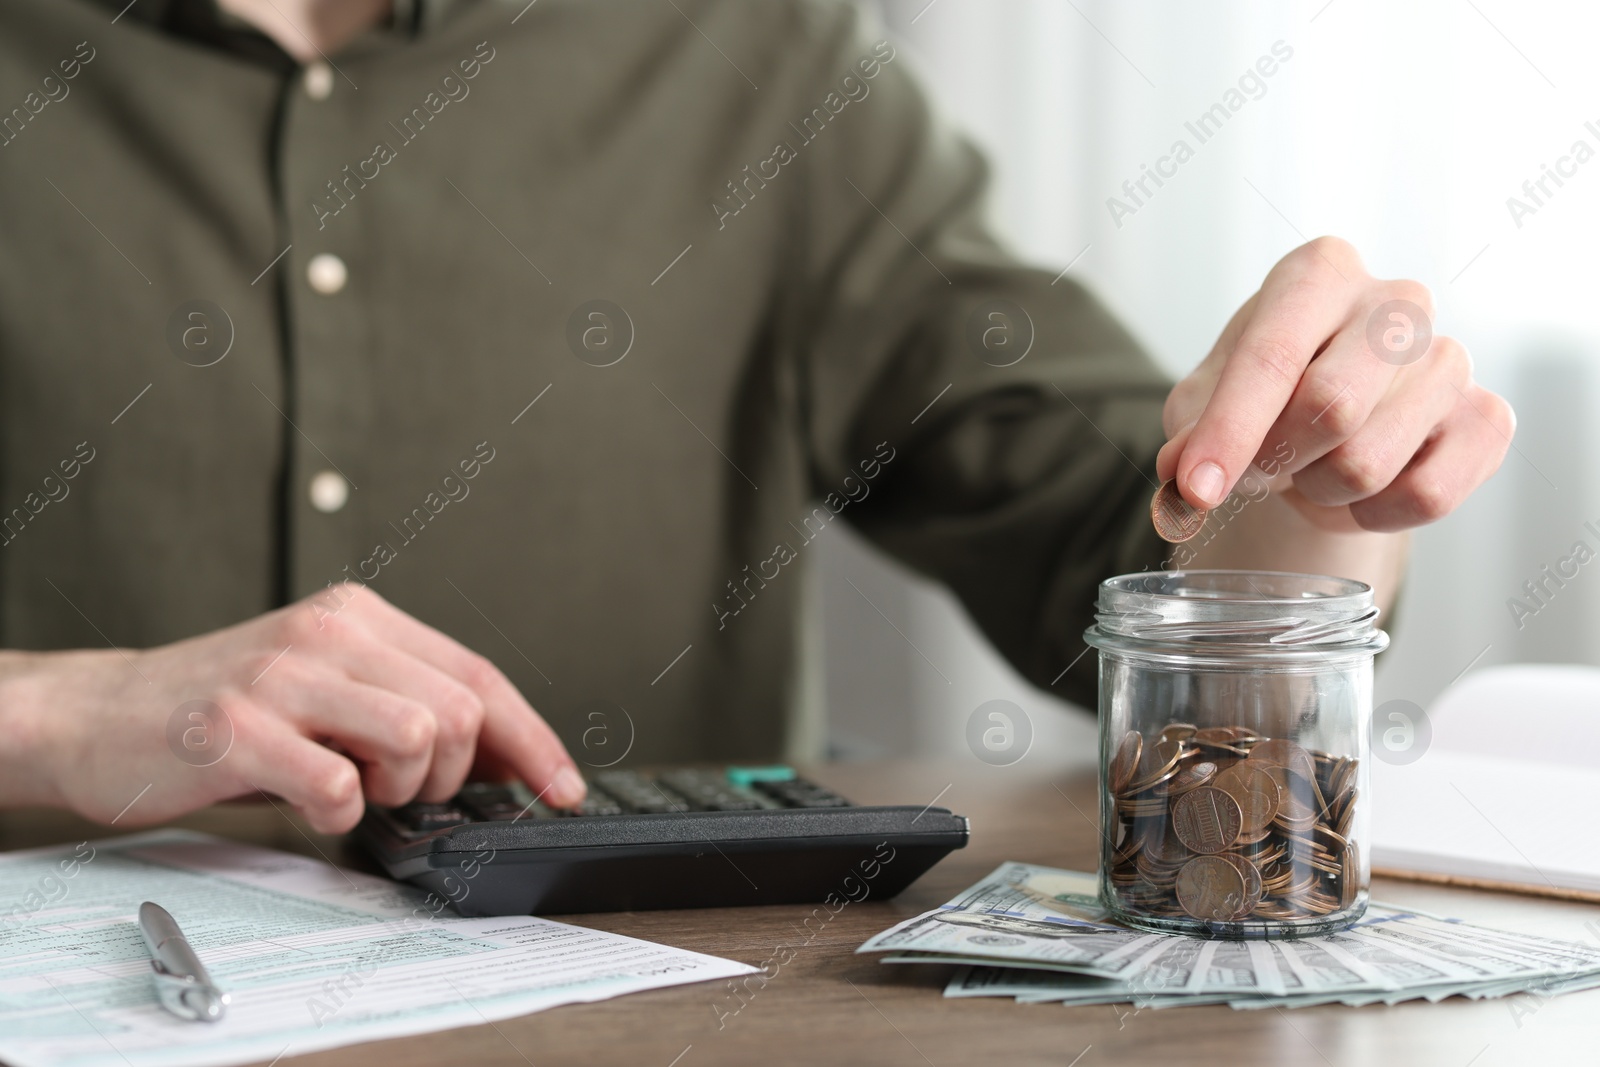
x,y
831,1006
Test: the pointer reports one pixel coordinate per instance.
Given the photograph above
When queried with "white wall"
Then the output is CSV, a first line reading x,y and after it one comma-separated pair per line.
x,y
1403,128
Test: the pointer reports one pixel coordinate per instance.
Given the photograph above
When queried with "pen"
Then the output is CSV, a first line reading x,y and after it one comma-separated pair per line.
x,y
185,989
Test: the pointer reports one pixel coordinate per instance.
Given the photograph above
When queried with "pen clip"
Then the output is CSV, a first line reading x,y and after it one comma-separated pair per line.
x,y
186,996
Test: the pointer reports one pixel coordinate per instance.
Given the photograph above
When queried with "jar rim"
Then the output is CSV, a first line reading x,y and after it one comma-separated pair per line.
x,y
1193,583
1220,609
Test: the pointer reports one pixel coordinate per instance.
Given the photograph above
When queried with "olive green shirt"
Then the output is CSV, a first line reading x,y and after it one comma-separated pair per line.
x,y
568,327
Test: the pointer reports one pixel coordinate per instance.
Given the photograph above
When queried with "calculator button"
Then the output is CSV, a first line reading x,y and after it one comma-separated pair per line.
x,y
747,776
799,793
486,793
709,791
425,817
505,812
640,794
658,806
596,803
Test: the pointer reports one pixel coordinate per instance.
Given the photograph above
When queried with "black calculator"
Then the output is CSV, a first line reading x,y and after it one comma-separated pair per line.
x,y
680,837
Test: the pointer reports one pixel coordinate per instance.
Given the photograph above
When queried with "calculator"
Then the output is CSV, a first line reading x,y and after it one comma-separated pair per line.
x,y
678,837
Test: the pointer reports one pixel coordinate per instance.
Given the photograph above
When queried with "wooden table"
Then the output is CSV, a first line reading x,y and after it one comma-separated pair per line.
x,y
830,1006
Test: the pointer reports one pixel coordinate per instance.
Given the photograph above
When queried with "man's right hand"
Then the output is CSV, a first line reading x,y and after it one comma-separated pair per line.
x,y
334,701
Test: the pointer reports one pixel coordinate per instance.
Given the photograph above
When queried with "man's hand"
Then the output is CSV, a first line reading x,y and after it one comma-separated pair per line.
x,y
331,702
1327,380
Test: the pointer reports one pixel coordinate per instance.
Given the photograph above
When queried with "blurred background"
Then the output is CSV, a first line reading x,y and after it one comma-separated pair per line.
x,y
1404,129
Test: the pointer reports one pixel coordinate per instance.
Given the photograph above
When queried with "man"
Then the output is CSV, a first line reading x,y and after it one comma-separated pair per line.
x,y
566,327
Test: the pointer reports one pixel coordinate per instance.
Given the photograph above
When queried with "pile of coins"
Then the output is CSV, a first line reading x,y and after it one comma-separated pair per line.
x,y
1221,824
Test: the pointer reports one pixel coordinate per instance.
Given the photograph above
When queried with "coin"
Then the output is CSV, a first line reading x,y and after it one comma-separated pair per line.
x,y
1349,870
1159,763
1210,888
1126,759
1215,735
1257,811
1256,794
1156,875
1174,518
1206,819
1191,777
1255,803
1164,848
1284,753
1252,883
1347,816
1293,785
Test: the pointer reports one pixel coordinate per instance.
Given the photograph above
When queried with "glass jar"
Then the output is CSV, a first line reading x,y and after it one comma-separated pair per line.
x,y
1234,715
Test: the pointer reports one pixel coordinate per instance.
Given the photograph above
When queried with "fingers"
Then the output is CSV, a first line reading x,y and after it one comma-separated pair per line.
x,y
271,755
390,736
525,742
1469,447
510,728
1190,396
1172,451
455,712
1383,443
1335,399
1305,300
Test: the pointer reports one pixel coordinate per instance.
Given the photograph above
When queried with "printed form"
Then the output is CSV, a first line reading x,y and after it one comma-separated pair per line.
x,y
313,956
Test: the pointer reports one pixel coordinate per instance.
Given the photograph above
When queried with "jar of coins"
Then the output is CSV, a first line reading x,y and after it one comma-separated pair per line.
x,y
1234,710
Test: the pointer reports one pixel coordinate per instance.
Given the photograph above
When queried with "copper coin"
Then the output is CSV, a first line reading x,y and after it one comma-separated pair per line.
x,y
1340,779
1284,753
1292,784
1159,763
1206,819
1126,759
1256,793
1348,815
1252,882
1164,848
1157,875
1210,888
1220,739
1192,777
1257,810
1174,518
1349,869
1294,815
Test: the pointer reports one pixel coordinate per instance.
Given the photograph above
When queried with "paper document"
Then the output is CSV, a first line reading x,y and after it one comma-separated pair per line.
x,y
1037,934
312,955
1482,816
1474,804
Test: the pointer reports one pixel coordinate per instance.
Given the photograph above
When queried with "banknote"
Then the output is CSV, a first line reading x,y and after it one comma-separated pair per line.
x,y
1038,934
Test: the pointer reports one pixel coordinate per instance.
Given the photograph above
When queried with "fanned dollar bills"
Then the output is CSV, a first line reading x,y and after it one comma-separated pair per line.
x,y
1039,934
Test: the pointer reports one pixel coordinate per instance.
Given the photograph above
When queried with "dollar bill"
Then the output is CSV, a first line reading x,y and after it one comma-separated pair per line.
x,y
1038,934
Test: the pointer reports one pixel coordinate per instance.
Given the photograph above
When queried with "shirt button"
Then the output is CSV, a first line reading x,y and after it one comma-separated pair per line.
x,y
326,273
318,80
329,491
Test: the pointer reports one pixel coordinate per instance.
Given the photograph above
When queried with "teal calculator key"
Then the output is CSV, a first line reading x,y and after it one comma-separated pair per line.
x,y
748,776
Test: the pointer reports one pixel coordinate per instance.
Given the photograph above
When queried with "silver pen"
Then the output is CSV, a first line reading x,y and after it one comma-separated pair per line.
x,y
183,985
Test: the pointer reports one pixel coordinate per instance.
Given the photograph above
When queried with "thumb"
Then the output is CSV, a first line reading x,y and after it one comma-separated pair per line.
x,y
1167,458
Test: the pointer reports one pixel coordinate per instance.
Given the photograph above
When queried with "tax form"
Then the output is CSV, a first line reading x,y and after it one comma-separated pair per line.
x,y
314,956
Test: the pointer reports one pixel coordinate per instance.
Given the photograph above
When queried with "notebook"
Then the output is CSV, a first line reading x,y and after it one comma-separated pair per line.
x,y
1502,794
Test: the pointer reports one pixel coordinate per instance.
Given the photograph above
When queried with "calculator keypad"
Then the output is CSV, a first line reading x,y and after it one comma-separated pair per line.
x,y
625,792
